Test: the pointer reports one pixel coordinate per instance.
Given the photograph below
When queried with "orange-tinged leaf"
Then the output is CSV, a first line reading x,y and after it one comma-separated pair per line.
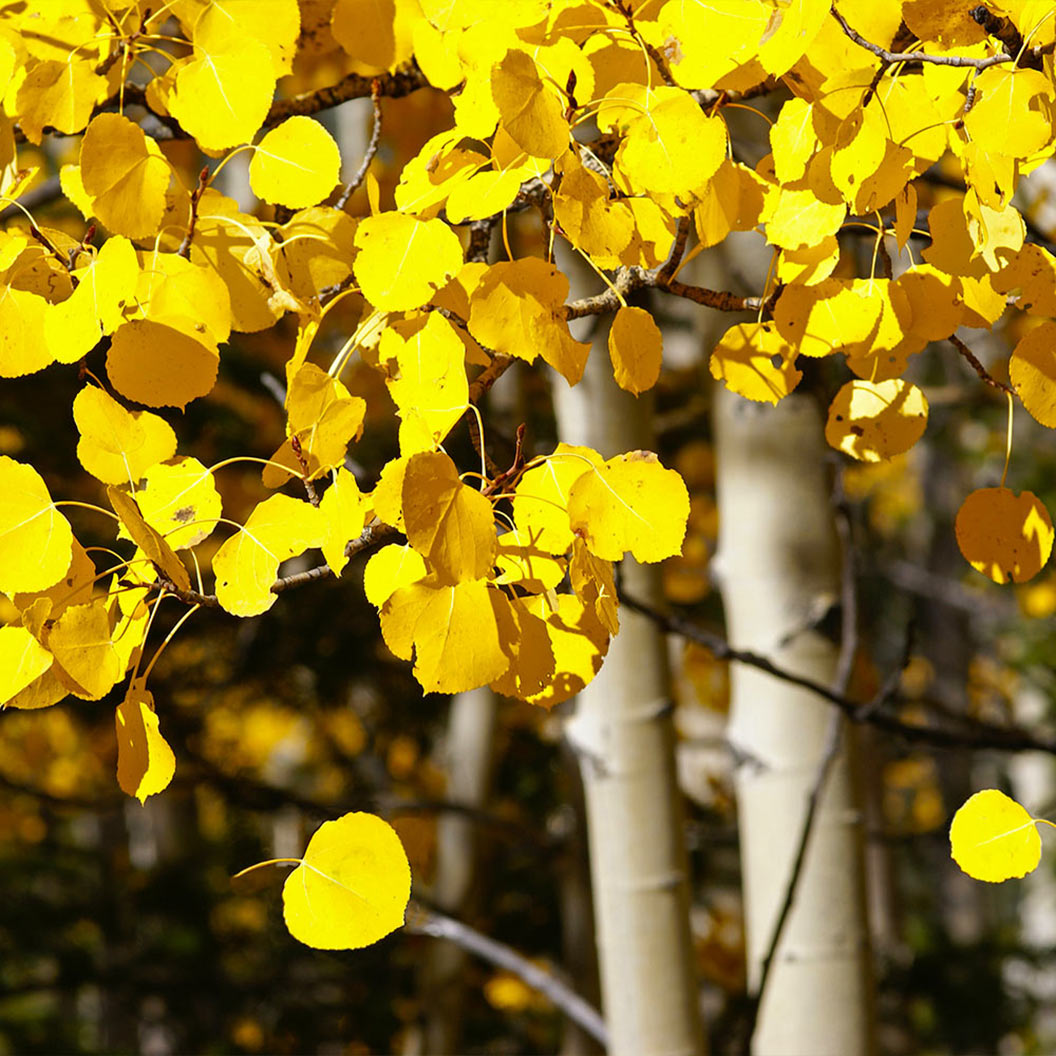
x,y
449,523
118,446
296,164
247,564
344,509
531,110
145,762
452,631
379,36
630,503
402,261
595,585
526,640
82,643
636,349
993,838
148,539
756,362
22,661
874,421
35,539
1032,371
540,498
1005,536
180,501
125,174
392,567
352,886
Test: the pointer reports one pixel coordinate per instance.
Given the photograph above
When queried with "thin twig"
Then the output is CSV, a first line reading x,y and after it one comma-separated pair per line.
x,y
372,148
196,197
422,921
983,373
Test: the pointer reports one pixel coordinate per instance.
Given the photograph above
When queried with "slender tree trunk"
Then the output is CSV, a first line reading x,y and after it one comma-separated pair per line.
x,y
623,733
779,567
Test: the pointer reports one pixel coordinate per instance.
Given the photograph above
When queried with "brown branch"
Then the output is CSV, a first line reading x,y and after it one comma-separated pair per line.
x,y
891,57
423,921
196,197
372,148
721,300
983,373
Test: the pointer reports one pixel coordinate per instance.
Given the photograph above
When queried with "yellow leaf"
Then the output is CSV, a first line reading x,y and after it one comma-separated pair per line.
x,y
636,349
832,316
540,498
59,95
756,362
22,350
432,391
352,886
808,266
402,261
392,567
1032,371
323,418
1012,113
528,566
180,501
1006,537
531,110
222,95
378,34
526,640
191,297
126,175
163,364
74,588
734,200
35,539
275,23
22,661
118,446
145,762
793,140
296,164
82,643
993,838
579,643
452,631
934,301
798,217
630,503
344,510
594,584
317,249
1032,271
859,149
247,564
449,523
874,421
483,194
148,539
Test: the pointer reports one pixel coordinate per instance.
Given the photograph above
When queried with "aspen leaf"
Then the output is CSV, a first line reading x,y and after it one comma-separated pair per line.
x,y
594,584
150,541
451,630
296,164
125,174
387,497
247,564
191,297
630,503
934,301
810,265
317,250
82,643
636,349
145,762
323,417
756,362
222,95
1012,113
22,315
1006,537
35,539
483,194
118,446
793,139
1033,272
73,588
402,261
378,34
832,316
344,511
993,838
528,566
579,643
449,523
874,421
22,661
798,218
531,111
540,498
275,23
526,640
61,95
180,501
1032,371
352,886
392,567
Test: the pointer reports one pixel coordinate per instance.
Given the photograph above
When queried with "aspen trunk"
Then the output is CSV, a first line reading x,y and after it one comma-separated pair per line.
x,y
779,566
623,734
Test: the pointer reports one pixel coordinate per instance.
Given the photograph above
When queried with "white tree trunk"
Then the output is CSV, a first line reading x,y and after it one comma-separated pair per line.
x,y
778,562
623,733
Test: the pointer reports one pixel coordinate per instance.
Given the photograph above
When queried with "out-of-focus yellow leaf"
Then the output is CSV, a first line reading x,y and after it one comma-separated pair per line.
x,y
378,34
1007,537
1032,371
352,886
145,762
296,164
35,539
993,838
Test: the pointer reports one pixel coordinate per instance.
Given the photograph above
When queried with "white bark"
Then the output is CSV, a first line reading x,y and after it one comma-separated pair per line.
x,y
623,733
778,562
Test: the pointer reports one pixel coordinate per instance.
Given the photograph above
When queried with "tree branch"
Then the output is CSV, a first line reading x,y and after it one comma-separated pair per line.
x,y
983,373
372,148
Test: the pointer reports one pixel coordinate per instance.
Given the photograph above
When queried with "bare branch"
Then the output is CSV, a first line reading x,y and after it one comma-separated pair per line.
x,y
422,921
196,197
372,148
983,373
